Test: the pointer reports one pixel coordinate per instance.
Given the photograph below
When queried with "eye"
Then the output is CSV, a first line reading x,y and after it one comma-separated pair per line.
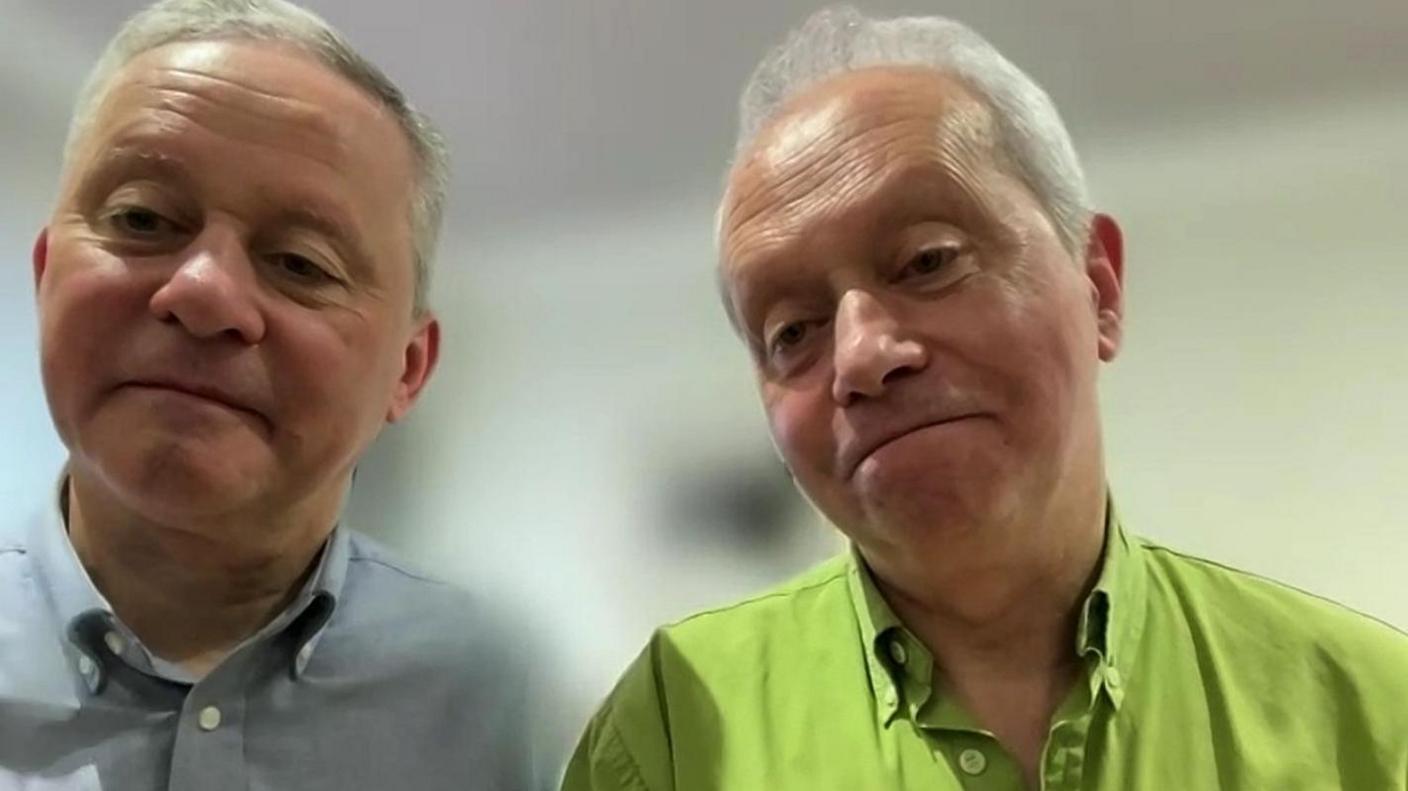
x,y
792,340
139,221
300,268
789,335
929,261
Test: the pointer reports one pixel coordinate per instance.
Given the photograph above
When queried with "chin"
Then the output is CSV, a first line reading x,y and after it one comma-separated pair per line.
x,y
934,500
172,482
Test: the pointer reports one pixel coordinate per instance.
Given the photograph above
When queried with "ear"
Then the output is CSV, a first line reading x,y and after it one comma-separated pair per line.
x,y
1104,268
40,256
417,364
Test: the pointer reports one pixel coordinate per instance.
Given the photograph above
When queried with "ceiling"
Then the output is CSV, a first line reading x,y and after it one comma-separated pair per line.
x,y
566,105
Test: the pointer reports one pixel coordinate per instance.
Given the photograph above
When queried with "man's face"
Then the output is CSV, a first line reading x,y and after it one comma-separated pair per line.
x,y
225,286
925,347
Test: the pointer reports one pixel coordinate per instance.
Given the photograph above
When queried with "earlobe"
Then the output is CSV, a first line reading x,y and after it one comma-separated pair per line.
x,y
40,256
418,363
1104,267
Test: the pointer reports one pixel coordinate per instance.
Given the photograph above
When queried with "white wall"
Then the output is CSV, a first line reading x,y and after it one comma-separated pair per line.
x,y
1260,413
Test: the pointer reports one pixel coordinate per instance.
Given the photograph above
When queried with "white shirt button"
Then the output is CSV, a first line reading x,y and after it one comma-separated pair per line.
x,y
115,643
85,665
898,653
972,761
209,718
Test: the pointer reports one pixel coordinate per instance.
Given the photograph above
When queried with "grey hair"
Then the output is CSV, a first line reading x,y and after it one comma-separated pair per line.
x,y
172,21
1029,131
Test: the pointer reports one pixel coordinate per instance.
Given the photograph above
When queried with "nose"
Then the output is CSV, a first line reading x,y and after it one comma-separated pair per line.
x,y
213,291
871,350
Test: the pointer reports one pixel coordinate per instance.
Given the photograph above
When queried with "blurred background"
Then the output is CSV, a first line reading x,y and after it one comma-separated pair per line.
x,y
592,451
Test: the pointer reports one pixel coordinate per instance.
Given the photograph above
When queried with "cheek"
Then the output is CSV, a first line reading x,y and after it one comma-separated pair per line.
x,y
801,429
1053,367
310,358
84,313
328,367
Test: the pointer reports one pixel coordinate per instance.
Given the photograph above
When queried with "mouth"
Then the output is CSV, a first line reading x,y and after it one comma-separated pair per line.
x,y
861,451
212,395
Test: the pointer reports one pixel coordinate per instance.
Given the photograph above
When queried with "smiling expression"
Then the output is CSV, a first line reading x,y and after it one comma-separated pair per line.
x,y
925,347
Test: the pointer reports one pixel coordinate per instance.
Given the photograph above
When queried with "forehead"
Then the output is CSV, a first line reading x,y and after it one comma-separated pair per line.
x,y
268,99
849,144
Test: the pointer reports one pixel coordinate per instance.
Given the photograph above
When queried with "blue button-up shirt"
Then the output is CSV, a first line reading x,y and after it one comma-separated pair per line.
x,y
374,677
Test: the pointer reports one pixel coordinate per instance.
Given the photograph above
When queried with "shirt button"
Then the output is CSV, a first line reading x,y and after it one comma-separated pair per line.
x,y
1112,677
115,643
898,653
209,718
972,761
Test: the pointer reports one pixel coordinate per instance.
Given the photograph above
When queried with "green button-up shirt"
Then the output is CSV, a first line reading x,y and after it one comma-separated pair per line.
x,y
1196,677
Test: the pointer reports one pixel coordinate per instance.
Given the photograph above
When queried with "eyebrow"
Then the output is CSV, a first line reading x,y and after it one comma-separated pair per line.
x,y
330,224
125,160
325,222
766,289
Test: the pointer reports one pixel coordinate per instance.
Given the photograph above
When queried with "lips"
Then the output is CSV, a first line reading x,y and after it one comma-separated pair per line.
x,y
855,452
203,390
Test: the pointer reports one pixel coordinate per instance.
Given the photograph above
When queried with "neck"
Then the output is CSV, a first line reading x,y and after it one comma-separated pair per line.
x,y
1000,627
1002,630
191,592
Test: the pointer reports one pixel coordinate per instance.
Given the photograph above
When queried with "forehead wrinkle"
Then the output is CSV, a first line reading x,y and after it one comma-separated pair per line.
x,y
821,167
179,87
249,120
934,169
196,74
842,136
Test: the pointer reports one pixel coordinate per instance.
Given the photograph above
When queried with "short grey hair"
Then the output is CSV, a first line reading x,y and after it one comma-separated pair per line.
x,y
1029,131
172,21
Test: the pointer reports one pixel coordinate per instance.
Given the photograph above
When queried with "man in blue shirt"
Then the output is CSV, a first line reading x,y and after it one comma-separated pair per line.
x,y
232,299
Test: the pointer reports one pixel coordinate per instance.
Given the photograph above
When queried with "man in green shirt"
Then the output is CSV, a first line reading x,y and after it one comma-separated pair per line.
x,y
908,251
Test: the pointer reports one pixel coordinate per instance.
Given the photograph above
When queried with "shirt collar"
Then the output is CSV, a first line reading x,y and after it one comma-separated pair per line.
x,y
70,590
95,636
1112,616
900,667
880,629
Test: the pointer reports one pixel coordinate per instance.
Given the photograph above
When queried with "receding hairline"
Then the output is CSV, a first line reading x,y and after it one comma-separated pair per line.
x,y
121,77
873,88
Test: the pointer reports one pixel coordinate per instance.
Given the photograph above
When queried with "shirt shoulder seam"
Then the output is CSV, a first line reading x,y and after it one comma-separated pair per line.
x,y
785,592
358,557
1275,583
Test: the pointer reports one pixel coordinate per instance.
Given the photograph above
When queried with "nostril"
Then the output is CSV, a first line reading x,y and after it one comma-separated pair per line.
x,y
897,373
